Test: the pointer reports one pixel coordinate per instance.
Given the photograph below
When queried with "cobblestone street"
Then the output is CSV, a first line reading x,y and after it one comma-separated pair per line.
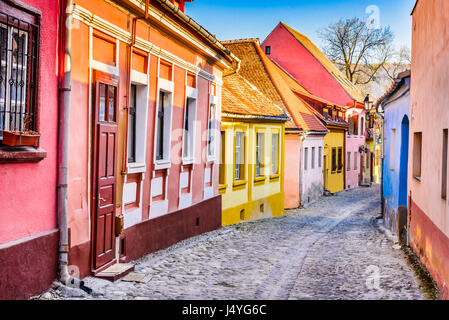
x,y
332,249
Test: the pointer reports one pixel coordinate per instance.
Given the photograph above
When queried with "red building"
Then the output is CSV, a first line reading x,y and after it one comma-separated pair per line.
x,y
28,174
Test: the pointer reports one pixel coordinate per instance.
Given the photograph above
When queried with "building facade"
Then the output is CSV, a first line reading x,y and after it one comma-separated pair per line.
x,y
395,107
269,79
301,59
355,142
146,95
252,153
28,169
429,123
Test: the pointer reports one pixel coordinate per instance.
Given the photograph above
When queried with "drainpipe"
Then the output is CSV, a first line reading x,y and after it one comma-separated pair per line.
x,y
63,151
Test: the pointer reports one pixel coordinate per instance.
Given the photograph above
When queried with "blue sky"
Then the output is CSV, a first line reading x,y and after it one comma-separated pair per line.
x,y
234,19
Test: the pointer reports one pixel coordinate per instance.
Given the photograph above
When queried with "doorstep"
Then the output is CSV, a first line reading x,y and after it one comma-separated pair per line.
x,y
115,272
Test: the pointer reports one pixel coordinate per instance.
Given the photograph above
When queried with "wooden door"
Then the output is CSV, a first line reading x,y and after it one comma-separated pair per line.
x,y
105,168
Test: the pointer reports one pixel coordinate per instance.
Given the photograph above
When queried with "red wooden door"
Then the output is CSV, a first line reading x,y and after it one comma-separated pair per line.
x,y
105,168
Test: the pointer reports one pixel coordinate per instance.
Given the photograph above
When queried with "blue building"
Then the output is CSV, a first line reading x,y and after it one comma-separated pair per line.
x,y
395,107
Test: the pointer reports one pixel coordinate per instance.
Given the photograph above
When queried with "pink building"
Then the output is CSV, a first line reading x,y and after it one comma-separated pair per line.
x,y
299,56
428,150
28,174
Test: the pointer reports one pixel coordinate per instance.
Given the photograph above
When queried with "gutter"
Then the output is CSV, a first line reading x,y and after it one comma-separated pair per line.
x,y
63,151
238,116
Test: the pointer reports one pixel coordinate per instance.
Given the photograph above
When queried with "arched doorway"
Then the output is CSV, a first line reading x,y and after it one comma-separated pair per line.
x,y
403,173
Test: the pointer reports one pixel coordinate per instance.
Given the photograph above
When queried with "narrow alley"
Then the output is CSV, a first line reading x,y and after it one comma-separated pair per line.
x,y
333,249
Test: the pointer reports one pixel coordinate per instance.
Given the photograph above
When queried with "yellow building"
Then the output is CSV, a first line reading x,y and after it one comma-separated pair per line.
x,y
334,156
334,159
252,153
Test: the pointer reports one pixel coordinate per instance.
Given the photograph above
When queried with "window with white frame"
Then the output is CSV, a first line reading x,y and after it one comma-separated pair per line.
x,y
212,123
18,74
320,156
260,153
306,157
163,132
239,173
132,125
275,154
189,129
313,158
137,125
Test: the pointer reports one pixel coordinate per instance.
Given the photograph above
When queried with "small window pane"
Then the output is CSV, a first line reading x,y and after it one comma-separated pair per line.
x,y
102,102
112,98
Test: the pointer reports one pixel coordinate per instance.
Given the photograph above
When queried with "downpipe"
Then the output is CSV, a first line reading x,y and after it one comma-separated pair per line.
x,y
63,150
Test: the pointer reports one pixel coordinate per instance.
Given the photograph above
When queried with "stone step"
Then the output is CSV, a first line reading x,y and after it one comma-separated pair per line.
x,y
116,271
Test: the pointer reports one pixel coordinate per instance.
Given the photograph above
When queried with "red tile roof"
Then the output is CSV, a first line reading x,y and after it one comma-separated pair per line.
x,y
242,98
263,74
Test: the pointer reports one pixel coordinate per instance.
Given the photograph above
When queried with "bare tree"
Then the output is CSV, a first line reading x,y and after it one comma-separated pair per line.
x,y
358,50
401,61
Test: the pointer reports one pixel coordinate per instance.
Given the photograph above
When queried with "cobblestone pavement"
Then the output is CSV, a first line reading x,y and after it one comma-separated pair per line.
x,y
330,250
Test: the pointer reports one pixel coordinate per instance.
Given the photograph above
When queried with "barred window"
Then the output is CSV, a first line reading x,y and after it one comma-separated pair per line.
x,y
18,73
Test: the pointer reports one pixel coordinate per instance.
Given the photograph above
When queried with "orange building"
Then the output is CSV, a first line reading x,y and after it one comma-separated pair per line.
x,y
146,94
428,179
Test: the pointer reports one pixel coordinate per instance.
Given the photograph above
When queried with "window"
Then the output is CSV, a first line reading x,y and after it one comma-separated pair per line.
x,y
417,149
340,159
355,160
132,125
351,125
306,157
392,148
189,130
260,153
355,124
222,174
326,113
313,158
18,74
334,159
107,105
320,156
444,166
267,50
362,126
239,156
275,154
163,126
211,131
349,161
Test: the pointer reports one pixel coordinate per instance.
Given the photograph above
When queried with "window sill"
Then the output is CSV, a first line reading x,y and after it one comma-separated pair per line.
x,y
162,164
260,180
187,161
21,154
240,184
222,188
275,177
136,168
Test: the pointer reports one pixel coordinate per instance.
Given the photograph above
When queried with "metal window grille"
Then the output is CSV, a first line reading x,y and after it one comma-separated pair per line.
x,y
19,47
